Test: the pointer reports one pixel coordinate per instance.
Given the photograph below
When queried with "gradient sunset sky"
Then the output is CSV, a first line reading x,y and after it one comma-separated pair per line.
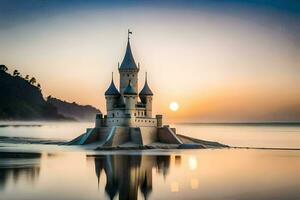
x,y
222,61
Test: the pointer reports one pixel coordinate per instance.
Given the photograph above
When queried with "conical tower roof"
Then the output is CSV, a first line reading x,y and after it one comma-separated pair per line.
x,y
128,62
129,89
146,91
112,90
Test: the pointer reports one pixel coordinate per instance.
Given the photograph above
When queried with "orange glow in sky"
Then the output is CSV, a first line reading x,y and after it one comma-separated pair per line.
x,y
216,67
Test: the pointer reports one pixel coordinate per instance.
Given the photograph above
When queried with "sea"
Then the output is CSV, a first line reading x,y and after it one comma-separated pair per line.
x,y
263,164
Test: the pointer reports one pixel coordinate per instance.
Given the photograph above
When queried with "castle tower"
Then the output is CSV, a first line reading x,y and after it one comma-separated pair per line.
x,y
129,118
128,69
130,98
111,95
146,97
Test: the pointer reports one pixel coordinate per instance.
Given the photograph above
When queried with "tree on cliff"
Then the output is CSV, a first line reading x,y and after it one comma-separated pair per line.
x,y
3,68
20,100
32,81
16,73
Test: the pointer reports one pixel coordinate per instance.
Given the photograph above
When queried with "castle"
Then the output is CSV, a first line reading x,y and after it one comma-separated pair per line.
x,y
129,122
123,105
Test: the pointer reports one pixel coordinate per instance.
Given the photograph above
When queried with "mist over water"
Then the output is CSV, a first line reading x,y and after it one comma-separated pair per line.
x,y
39,171
238,135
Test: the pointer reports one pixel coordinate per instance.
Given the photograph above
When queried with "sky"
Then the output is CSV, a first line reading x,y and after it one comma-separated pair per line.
x,y
221,61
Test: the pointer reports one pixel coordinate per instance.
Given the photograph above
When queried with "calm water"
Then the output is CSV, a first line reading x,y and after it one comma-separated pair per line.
x,y
58,172
233,135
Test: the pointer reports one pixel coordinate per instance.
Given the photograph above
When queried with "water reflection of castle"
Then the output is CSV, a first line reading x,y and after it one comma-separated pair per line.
x,y
126,175
24,166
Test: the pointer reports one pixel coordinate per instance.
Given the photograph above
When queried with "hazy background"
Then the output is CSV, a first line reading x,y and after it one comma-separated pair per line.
x,y
220,60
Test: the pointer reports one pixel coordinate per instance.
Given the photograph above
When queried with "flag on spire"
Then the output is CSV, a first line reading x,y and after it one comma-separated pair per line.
x,y
129,32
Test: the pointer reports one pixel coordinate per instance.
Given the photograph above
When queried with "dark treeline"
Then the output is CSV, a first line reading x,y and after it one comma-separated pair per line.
x,y
21,99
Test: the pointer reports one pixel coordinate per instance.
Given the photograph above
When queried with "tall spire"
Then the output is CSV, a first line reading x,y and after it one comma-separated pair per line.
x,y
146,77
146,91
129,32
128,60
112,90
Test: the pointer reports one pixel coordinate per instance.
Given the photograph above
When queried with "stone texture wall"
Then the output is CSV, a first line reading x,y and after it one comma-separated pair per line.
x,y
149,135
136,136
121,136
166,135
125,77
116,135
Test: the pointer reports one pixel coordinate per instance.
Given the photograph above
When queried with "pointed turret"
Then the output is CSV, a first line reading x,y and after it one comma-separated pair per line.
x,y
146,91
128,69
128,62
112,90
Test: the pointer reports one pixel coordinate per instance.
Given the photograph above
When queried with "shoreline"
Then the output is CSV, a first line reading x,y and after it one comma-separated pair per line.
x,y
195,144
268,148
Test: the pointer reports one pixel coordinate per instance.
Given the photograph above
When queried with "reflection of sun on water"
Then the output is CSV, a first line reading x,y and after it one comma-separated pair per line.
x,y
174,186
192,163
194,183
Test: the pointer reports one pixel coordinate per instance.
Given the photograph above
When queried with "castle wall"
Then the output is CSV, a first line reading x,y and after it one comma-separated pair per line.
x,y
143,121
136,136
143,135
120,135
116,135
149,106
166,135
120,112
93,135
131,121
125,76
149,135
110,102
118,121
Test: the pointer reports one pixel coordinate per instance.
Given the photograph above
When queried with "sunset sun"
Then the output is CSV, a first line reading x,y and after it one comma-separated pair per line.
x,y
174,106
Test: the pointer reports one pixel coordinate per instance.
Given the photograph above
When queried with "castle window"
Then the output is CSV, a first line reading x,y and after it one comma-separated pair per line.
x,y
145,112
127,75
113,115
134,114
